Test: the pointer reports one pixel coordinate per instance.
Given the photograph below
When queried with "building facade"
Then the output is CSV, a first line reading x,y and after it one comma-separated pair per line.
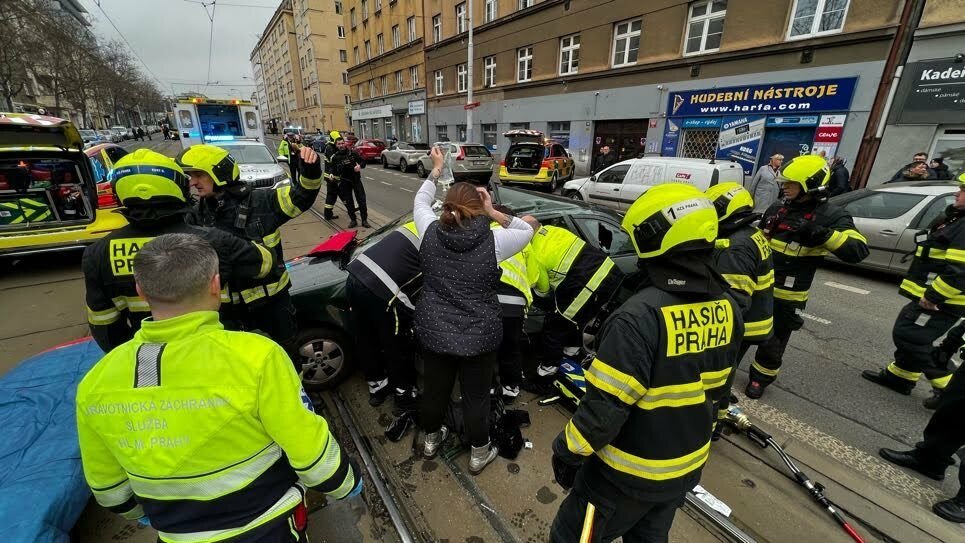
x,y
277,55
735,79
323,60
928,110
387,78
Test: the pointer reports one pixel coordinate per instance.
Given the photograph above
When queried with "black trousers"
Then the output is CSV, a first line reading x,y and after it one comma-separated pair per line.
x,y
275,316
724,402
331,197
770,354
914,334
945,433
353,194
600,508
383,336
280,530
475,377
511,352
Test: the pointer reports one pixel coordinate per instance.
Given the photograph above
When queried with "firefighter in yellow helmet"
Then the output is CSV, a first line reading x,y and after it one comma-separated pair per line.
x,y
153,190
331,180
641,434
934,285
255,214
203,433
801,230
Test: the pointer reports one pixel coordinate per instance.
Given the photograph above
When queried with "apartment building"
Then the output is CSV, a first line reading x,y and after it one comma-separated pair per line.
x,y
275,58
387,76
731,79
928,109
322,57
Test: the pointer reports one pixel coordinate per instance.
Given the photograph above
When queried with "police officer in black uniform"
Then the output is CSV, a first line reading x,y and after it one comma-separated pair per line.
x,y
641,435
154,192
231,205
934,285
347,167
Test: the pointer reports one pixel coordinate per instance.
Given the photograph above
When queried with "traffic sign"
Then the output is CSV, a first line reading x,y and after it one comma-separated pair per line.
x,y
473,105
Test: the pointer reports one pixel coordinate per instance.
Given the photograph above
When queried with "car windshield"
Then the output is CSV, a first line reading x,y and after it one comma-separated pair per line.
x,y
87,133
476,151
524,202
249,154
419,146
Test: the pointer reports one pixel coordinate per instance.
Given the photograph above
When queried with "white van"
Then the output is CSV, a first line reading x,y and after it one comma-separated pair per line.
x,y
621,184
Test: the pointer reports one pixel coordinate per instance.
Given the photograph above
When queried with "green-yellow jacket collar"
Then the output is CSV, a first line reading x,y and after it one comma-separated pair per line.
x,y
180,327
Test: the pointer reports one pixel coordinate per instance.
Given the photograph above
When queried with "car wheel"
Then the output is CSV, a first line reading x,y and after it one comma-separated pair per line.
x,y
554,183
385,163
421,170
403,166
325,358
574,195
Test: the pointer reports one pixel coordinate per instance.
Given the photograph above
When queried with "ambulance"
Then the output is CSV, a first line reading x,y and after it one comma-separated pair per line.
x,y
200,120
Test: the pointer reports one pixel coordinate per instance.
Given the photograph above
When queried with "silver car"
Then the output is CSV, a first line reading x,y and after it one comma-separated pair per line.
x,y
471,161
403,155
890,215
259,168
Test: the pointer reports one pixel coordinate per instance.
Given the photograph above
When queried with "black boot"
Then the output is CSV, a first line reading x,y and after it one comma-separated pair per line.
x,y
952,510
932,403
910,460
378,392
887,380
365,223
755,389
353,224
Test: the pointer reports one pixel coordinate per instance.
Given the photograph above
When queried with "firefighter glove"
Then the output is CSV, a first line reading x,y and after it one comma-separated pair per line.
x,y
813,234
311,170
565,463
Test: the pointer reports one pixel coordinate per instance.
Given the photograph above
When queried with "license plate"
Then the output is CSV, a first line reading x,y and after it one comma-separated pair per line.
x,y
479,163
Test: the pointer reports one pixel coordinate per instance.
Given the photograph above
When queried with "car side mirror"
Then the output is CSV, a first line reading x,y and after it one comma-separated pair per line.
x,y
605,236
280,158
593,178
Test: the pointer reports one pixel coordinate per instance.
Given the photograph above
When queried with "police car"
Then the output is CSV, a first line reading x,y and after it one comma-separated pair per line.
x,y
259,167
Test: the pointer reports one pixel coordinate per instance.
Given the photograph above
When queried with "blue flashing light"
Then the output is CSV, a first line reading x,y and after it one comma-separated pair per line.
x,y
219,138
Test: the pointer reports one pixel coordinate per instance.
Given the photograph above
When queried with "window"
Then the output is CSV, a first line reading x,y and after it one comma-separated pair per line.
x,y
492,11
519,126
489,73
489,135
378,5
361,94
341,31
338,8
410,23
817,17
348,99
437,29
950,145
461,78
883,205
372,89
626,43
365,9
399,83
461,18
524,64
570,54
614,174
345,78
351,17
560,131
934,209
705,27
384,82
439,82
609,237
396,36
414,76
461,135
380,43
442,132
355,52
343,55
523,4
368,50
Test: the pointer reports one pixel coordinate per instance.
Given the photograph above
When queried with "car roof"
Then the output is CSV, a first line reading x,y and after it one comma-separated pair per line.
x,y
918,187
239,142
94,149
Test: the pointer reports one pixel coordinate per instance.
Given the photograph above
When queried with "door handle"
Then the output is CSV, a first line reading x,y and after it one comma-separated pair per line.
x,y
616,189
888,232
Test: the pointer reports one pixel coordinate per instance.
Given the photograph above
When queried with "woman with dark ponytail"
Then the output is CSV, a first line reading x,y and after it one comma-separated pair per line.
x,y
458,320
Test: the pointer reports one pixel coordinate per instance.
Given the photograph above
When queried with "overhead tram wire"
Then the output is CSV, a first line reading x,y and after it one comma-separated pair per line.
x,y
129,46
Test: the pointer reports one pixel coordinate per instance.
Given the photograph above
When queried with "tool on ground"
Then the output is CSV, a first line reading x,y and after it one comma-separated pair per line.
x,y
736,418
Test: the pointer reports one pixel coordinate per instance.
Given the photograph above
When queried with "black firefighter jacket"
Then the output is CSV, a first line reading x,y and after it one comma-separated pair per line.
x,y
938,271
743,258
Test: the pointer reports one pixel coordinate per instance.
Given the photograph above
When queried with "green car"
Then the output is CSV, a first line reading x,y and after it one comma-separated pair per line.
x,y
318,283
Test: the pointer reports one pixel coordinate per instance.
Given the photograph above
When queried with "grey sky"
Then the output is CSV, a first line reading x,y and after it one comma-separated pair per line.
x,y
171,36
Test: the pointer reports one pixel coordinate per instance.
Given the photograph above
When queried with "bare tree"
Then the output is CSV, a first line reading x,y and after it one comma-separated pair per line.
x,y
17,51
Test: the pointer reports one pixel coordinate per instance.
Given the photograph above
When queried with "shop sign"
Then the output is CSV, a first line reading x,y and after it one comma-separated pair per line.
x,y
375,112
791,97
740,140
801,120
936,92
828,135
417,107
701,122
671,135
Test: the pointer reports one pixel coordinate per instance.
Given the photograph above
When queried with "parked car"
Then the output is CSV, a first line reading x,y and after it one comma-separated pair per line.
x,y
259,167
369,149
47,188
119,133
318,283
890,215
534,160
472,162
294,130
622,183
403,155
106,136
90,137
102,158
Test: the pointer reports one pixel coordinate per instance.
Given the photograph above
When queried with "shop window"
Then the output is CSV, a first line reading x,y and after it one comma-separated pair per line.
x,y
705,27
560,131
489,135
626,42
816,18
461,132
524,64
570,54
442,132
950,146
699,143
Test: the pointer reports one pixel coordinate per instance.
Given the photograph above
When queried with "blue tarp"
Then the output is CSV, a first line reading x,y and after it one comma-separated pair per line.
x,y
42,488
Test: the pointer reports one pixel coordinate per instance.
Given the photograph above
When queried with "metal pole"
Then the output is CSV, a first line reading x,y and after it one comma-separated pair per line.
x,y
470,81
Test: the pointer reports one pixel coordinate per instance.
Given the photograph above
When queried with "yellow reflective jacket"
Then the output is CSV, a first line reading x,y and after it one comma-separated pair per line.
x,y
207,432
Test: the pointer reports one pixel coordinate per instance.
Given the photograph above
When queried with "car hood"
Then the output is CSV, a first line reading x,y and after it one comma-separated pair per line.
x,y
251,172
314,273
576,184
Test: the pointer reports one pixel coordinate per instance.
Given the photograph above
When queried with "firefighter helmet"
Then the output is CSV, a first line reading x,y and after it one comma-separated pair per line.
x,y
147,177
334,134
212,160
810,171
668,216
729,198
961,179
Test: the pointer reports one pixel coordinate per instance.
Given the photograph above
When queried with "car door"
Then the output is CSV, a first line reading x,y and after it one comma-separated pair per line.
x,y
606,189
901,259
641,177
606,234
881,216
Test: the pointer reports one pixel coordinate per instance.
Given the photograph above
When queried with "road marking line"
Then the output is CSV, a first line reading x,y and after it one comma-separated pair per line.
x,y
813,318
407,190
386,183
848,288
